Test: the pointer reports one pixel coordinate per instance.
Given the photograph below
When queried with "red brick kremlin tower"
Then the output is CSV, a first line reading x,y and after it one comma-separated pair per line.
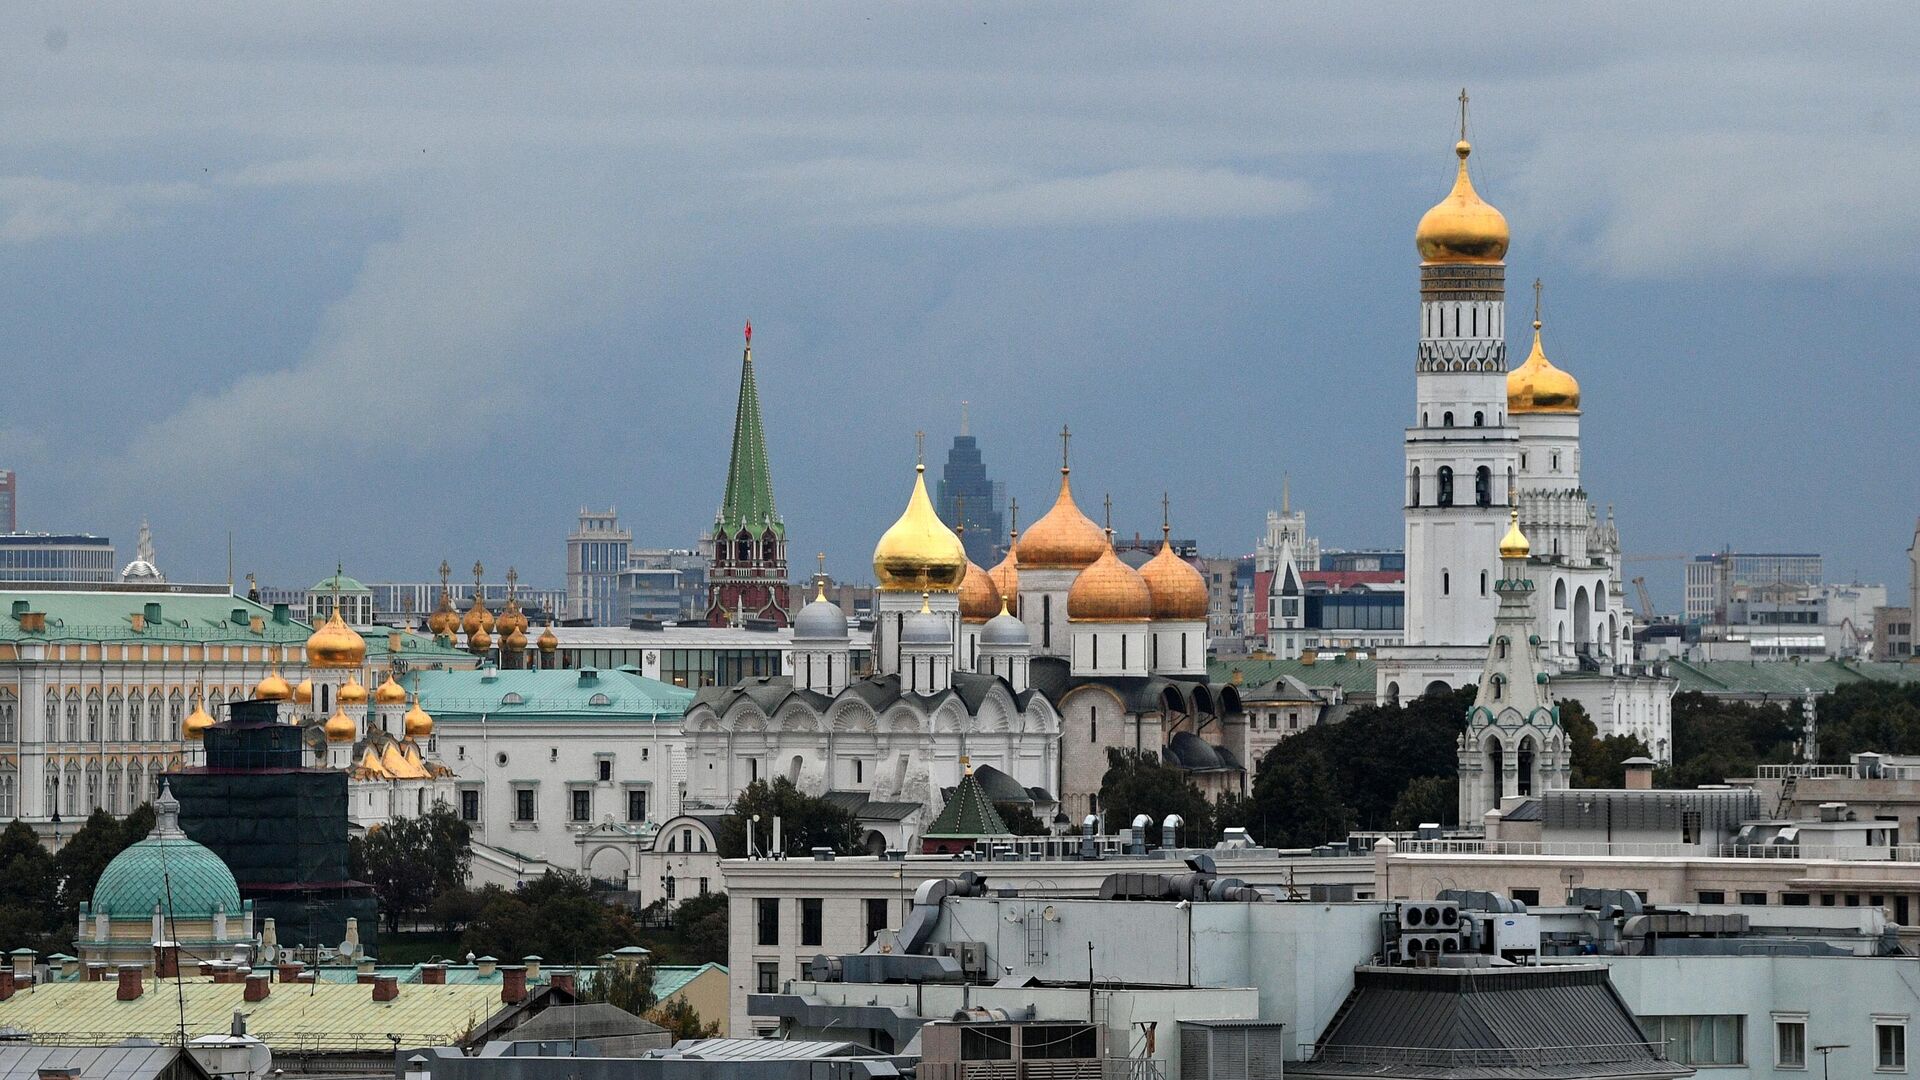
x,y
747,550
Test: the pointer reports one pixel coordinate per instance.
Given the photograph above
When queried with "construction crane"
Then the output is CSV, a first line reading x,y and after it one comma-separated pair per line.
x,y
1646,599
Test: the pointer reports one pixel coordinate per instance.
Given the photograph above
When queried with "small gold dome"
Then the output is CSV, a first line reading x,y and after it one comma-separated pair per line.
x,y
478,642
353,693
445,621
515,642
387,693
419,724
272,688
198,721
340,727
1109,591
1006,576
1514,545
919,553
979,600
1538,387
548,642
511,619
303,694
1462,228
477,617
336,645
1178,590
1063,538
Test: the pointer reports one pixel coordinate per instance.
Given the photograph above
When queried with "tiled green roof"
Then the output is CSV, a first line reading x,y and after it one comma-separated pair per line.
x,y
969,813
1352,676
339,582
547,695
99,616
173,872
1784,678
669,978
748,503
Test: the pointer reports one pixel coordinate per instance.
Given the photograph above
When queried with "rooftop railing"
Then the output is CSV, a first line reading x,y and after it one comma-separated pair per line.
x,y
1837,772
1487,1057
1901,853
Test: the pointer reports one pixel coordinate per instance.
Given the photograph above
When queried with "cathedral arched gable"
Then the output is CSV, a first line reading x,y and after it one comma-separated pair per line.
x,y
903,720
796,716
852,715
953,716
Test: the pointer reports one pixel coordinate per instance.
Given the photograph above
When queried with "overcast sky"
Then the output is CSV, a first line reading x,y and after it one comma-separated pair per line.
x,y
391,283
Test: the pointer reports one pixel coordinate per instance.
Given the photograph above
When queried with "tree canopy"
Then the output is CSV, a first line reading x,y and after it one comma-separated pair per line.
x,y
556,916
806,822
1138,782
412,861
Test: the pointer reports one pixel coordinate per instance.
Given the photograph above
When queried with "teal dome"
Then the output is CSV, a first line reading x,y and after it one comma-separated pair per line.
x,y
166,868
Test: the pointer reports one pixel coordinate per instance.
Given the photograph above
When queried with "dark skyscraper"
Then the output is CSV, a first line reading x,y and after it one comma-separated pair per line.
x,y
964,486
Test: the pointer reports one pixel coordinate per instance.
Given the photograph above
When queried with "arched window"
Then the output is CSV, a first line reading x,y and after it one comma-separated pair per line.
x,y
1556,461
153,715
1509,481
1479,418
8,790
115,709
73,715
93,715
176,711
1500,648
1446,583
53,716
1446,419
1560,595
1413,489
1483,486
1483,583
1499,687
1445,497
767,548
9,717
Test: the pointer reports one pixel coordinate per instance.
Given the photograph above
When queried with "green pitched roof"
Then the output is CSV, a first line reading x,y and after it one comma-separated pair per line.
x,y
748,503
1784,678
1352,676
338,582
547,695
969,813
107,615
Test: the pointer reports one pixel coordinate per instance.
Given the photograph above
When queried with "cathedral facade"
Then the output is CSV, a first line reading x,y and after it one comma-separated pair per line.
x,y
1485,438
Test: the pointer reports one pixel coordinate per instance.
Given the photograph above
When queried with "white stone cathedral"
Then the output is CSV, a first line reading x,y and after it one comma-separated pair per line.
x,y
1483,436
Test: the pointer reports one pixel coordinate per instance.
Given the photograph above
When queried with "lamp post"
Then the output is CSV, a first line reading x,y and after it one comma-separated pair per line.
x,y
1826,1050
56,813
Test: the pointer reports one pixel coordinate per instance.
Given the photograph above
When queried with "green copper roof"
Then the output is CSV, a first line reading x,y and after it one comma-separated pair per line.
x,y
338,582
107,615
527,695
1784,678
749,499
166,870
969,813
1330,669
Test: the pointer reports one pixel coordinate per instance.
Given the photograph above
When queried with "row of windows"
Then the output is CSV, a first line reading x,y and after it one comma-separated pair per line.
x,y
1721,1040
1443,479
766,921
579,804
77,792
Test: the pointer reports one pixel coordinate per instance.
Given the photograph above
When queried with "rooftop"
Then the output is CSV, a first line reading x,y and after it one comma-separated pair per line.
x,y
621,694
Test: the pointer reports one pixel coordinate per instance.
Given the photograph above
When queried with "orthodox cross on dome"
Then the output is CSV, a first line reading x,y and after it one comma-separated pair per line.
x,y
1065,437
1463,114
477,571
513,576
920,448
1536,303
1013,518
1108,502
1166,517
445,572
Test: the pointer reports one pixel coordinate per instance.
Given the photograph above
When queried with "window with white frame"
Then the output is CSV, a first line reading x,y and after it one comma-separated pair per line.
x,y
1790,1042
1890,1044
1699,1040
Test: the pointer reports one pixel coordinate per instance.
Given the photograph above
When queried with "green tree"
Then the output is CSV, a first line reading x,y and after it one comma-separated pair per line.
x,y
409,861
626,984
1596,761
806,822
682,1020
455,908
1426,799
702,923
1019,819
84,856
1297,798
1878,716
557,916
1715,739
1138,782
29,893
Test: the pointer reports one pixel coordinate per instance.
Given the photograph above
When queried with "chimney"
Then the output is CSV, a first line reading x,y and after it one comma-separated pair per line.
x,y
433,974
96,971
1639,773
166,960
208,970
282,615
533,967
23,962
364,978
290,971
129,983
484,967
6,983
35,622
366,965
563,979
259,985
20,607
513,984
153,612
385,987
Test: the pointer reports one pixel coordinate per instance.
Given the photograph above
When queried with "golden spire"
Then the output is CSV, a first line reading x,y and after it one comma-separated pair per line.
x,y
1514,545
1462,228
1537,386
820,579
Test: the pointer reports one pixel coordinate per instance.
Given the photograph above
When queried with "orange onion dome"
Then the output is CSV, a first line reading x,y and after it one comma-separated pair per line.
x,y
1063,538
444,622
1006,576
303,694
478,642
979,599
1538,387
1109,591
478,618
548,640
353,693
419,724
336,645
198,722
515,642
1178,590
340,727
389,692
272,688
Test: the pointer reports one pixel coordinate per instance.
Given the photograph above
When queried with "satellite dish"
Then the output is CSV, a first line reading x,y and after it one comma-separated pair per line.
x,y
346,948
268,952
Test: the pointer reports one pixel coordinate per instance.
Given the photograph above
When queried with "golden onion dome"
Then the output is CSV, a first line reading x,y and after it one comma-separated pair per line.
x,y
1514,545
419,724
353,693
478,642
198,721
340,727
478,618
336,645
1006,576
303,694
388,692
1108,591
272,688
1178,590
919,553
1538,387
1063,538
1462,228
515,642
548,642
979,599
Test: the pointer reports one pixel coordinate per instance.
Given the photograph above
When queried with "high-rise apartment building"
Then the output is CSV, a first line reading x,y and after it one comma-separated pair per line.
x,y
596,557
56,557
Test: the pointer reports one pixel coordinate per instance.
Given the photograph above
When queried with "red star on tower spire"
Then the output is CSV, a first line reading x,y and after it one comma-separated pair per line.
x,y
749,331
